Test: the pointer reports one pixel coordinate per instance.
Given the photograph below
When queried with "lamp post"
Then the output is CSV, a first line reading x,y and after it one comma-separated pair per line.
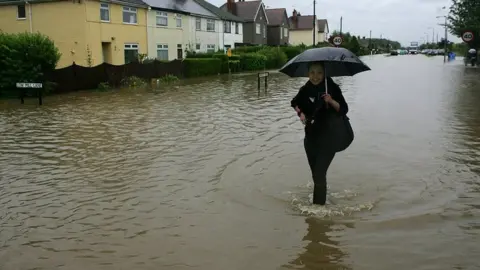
x,y
433,34
446,39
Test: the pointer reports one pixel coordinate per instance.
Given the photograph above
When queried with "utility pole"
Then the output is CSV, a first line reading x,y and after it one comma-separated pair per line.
x,y
445,40
314,22
341,25
445,43
370,42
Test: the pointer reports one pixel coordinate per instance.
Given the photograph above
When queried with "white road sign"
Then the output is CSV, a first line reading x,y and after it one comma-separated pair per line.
x,y
29,85
337,40
467,36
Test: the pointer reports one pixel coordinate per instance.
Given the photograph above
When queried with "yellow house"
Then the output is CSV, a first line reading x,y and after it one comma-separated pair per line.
x,y
87,32
323,30
302,29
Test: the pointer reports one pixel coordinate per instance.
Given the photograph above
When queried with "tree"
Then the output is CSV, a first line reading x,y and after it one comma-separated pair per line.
x,y
441,44
25,57
465,16
353,45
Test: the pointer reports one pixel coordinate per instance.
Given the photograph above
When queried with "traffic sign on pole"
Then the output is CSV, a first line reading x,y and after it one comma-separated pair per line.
x,y
337,41
467,36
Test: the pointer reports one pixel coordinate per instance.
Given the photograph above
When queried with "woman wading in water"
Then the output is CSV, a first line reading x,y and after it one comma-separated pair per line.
x,y
313,105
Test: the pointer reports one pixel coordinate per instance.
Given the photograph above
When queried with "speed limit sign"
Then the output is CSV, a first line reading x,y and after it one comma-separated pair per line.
x,y
337,40
467,36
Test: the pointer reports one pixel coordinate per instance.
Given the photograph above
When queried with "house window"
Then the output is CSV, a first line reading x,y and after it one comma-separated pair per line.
x,y
285,32
131,53
264,31
129,15
179,20
258,30
21,12
104,12
198,24
210,48
162,52
211,25
227,27
198,46
236,28
162,18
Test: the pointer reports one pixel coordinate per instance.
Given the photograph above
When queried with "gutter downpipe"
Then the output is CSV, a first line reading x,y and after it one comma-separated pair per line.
x,y
30,16
148,31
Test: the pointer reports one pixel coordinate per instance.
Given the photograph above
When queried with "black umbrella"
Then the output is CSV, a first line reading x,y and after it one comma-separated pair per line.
x,y
337,61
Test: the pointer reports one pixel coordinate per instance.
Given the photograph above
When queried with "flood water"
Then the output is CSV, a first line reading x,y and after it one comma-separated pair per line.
x,y
213,175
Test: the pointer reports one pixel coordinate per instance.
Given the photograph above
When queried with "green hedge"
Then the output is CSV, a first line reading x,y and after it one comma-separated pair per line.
x,y
25,57
276,57
195,67
291,52
199,55
253,61
235,65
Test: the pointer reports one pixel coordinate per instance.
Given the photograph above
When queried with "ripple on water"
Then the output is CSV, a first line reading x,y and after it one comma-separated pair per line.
x,y
173,179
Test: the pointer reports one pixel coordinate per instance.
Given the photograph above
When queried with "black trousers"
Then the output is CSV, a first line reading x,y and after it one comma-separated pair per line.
x,y
319,159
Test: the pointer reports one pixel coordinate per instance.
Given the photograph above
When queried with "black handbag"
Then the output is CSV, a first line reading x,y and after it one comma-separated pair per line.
x,y
336,132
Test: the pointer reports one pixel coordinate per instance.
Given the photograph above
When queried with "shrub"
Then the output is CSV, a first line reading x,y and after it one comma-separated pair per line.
x,y
168,79
133,81
234,65
104,86
194,67
235,57
199,55
247,49
224,58
292,51
25,57
275,57
253,61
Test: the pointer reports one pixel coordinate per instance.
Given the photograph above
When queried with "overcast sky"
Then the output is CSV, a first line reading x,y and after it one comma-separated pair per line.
x,y
401,20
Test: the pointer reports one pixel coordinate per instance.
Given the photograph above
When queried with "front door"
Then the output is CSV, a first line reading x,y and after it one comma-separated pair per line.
x,y
179,51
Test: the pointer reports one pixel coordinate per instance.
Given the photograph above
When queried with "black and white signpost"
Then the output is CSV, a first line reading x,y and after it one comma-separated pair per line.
x,y
29,86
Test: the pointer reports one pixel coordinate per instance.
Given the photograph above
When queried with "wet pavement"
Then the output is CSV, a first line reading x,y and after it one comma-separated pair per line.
x,y
212,175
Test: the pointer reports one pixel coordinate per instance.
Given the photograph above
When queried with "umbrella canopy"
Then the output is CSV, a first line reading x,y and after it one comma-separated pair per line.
x,y
337,61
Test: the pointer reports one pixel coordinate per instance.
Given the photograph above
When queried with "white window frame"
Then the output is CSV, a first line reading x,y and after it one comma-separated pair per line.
x,y
163,47
18,12
161,15
178,19
105,6
211,22
198,24
198,46
132,47
264,31
285,32
131,11
210,48
258,29
227,27
237,28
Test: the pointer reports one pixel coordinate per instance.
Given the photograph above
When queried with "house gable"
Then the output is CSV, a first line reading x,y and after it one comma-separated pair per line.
x,y
261,8
220,13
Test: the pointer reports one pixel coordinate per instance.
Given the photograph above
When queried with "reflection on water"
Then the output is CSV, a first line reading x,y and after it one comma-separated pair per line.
x,y
321,251
212,175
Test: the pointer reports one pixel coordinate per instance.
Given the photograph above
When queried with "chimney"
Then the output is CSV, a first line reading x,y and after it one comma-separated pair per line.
x,y
294,19
231,7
